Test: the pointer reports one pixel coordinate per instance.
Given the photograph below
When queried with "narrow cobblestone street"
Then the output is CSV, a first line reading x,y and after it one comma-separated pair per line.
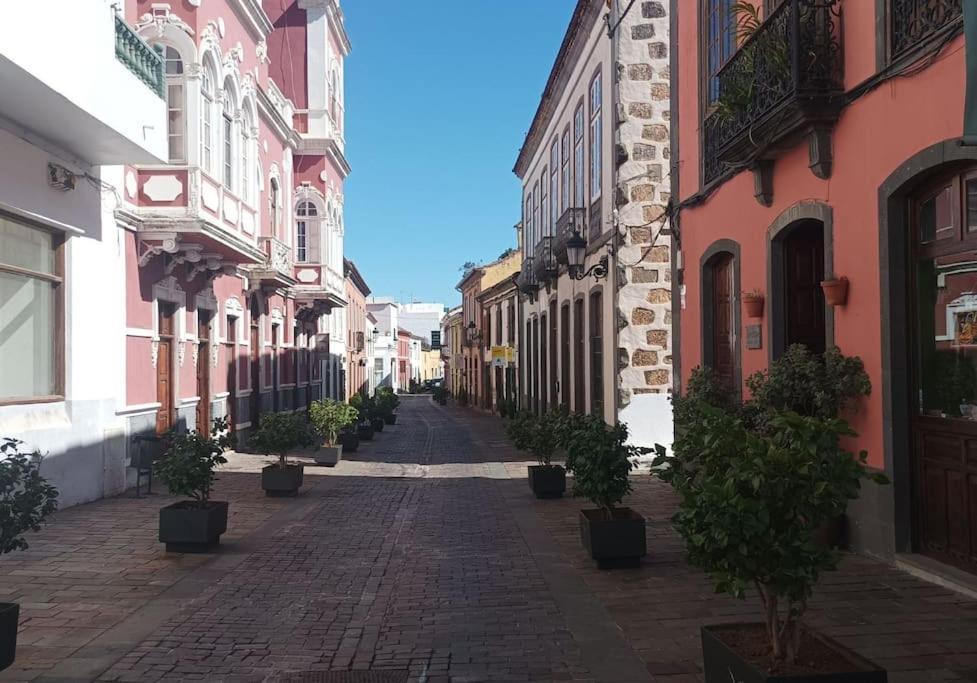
x,y
425,556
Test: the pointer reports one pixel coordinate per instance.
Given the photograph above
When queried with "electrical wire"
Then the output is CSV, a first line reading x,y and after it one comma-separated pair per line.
x,y
611,30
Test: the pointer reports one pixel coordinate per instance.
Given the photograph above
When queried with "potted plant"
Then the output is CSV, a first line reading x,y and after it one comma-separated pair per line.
x,y
753,304
601,460
463,397
440,395
26,498
835,290
750,505
187,469
539,436
328,417
387,402
277,434
348,438
375,414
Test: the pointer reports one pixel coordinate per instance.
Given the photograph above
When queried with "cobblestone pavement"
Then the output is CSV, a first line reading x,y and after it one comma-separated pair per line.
x,y
424,554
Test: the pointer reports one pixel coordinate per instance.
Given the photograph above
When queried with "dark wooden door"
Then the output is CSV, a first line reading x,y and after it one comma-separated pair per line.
x,y
803,252
166,414
255,374
232,362
723,333
203,371
275,379
944,463
543,365
579,330
565,356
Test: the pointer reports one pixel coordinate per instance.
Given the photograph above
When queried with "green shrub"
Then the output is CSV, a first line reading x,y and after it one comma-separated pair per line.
x,y
540,436
386,402
189,461
279,433
750,504
328,418
26,497
600,458
440,395
462,397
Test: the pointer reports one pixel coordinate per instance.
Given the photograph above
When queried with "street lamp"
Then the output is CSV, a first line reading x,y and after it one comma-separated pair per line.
x,y
576,251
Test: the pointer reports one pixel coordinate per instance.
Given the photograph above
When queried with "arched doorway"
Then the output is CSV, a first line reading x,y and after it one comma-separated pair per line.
x,y
255,348
720,312
797,311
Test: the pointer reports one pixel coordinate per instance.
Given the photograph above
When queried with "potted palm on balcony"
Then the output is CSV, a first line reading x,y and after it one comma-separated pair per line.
x,y
601,461
328,418
187,468
26,498
278,434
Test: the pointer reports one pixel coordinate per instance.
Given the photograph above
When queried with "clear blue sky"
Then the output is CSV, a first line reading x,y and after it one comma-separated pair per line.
x,y
439,96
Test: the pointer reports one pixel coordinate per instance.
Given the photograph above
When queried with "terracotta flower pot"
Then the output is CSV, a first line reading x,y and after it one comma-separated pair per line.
x,y
835,291
753,306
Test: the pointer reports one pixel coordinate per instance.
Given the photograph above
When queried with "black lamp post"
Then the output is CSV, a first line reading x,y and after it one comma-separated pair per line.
x,y
576,251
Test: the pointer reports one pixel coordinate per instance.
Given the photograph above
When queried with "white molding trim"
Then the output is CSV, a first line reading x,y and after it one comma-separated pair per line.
x,y
139,409
140,332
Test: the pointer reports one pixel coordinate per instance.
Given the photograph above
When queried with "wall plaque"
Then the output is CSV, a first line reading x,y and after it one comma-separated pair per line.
x,y
754,337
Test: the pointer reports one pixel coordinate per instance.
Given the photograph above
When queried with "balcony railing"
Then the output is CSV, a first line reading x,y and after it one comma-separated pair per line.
x,y
912,22
572,219
527,282
544,260
142,60
279,255
784,78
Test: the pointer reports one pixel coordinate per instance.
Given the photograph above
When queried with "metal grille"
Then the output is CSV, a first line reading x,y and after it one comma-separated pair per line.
x,y
913,21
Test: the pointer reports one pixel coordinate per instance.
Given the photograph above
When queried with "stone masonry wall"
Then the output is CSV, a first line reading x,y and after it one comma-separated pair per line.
x,y
642,192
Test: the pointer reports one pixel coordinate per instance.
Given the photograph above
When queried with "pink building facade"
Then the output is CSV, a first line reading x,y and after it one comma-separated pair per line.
x,y
234,288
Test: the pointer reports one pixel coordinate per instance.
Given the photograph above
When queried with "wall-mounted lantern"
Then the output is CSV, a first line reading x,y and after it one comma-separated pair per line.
x,y
576,252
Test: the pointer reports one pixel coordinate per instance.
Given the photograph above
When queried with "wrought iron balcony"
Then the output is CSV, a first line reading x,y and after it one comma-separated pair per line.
x,y
786,78
142,60
572,219
912,22
544,260
527,282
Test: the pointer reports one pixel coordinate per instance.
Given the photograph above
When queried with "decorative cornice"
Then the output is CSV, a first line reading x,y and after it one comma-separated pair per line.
x,y
254,17
161,21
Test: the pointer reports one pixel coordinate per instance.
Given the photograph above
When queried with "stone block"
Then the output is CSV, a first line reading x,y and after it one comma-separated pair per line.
x,y
641,110
642,31
640,72
660,91
643,275
642,316
644,358
655,131
644,152
643,193
654,377
657,338
652,10
658,50
659,296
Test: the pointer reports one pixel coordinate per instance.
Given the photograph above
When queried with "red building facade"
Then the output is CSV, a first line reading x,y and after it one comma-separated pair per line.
x,y
845,162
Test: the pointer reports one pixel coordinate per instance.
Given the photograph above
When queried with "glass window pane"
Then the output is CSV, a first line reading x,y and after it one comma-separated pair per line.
x,y
936,216
947,304
24,247
27,337
972,205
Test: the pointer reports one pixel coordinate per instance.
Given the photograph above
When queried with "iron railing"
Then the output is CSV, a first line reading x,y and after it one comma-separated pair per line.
x,y
788,72
527,282
136,54
544,260
572,219
912,22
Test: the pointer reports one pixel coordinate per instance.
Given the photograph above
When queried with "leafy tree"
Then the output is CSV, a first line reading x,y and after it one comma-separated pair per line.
x,y
189,461
600,458
328,418
279,433
26,497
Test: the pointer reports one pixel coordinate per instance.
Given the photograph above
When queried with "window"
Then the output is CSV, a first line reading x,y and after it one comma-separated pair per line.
x,y
720,19
306,233
596,130
565,182
528,225
175,103
498,324
207,121
247,192
31,313
578,162
913,23
228,150
534,237
545,207
596,354
273,206
554,185
511,311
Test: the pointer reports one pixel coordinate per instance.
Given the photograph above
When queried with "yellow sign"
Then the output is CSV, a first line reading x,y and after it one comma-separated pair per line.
x,y
502,355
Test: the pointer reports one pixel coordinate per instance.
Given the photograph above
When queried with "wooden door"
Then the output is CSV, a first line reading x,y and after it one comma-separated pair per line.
x,y
944,429
255,373
803,314
723,329
579,327
275,379
165,396
565,356
543,365
232,373
203,371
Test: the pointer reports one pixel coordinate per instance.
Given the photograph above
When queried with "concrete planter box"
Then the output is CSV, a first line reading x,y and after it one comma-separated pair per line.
x,y
547,481
615,541
350,441
9,616
278,482
187,528
329,455
721,663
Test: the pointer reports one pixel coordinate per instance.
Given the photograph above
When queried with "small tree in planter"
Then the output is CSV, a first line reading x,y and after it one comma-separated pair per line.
x,y
277,434
541,437
750,505
187,468
440,395
387,402
328,419
601,460
26,498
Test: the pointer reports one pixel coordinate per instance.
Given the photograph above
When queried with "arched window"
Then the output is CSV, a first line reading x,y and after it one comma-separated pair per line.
x,y
274,202
306,233
206,121
176,126
246,155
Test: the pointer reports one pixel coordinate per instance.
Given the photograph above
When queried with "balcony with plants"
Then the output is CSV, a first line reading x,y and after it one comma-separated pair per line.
x,y
785,80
